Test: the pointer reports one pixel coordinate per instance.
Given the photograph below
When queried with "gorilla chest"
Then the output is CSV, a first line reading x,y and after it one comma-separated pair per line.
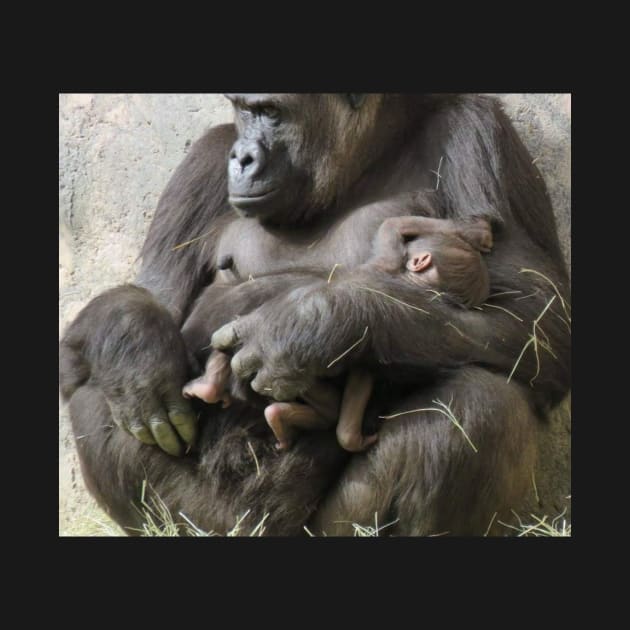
x,y
256,250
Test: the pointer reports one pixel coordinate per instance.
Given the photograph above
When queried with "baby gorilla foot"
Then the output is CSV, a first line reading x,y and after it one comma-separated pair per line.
x,y
276,414
211,385
207,390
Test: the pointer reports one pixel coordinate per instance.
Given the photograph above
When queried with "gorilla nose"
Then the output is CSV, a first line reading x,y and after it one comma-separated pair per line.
x,y
249,155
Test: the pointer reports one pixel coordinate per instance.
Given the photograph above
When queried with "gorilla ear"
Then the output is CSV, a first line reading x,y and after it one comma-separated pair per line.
x,y
355,100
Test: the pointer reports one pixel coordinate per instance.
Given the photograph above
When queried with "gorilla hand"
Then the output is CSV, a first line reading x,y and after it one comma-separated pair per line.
x,y
284,346
129,346
262,356
271,374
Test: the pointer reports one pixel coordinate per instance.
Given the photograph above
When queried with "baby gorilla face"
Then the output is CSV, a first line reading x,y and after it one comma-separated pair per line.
x,y
449,264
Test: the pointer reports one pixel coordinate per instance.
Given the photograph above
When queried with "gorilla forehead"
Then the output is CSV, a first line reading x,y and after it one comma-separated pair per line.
x,y
252,100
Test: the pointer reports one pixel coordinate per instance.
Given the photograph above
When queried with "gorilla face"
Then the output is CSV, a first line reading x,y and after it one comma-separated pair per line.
x,y
264,175
294,152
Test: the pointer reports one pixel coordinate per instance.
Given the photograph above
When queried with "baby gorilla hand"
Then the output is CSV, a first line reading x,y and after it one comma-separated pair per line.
x,y
478,233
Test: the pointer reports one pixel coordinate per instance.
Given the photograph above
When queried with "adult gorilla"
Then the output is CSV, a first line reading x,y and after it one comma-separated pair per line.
x,y
305,174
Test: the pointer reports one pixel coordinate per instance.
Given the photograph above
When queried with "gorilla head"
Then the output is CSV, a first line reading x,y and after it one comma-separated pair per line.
x,y
296,152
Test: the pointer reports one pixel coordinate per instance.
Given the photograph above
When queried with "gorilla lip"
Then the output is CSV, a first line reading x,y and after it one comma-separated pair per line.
x,y
247,201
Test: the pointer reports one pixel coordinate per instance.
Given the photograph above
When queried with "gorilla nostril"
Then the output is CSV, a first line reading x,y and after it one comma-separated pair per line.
x,y
246,161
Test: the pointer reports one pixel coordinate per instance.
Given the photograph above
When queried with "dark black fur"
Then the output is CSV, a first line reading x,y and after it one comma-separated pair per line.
x,y
124,358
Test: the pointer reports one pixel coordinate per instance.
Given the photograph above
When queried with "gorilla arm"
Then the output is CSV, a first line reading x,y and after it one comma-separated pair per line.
x,y
371,318
127,341
369,315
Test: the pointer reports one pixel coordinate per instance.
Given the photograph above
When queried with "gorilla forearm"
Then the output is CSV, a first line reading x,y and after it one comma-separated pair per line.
x,y
82,347
221,303
440,335
373,318
108,332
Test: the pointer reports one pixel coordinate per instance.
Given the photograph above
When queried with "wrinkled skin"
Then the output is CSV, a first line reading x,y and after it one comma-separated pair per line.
x,y
307,175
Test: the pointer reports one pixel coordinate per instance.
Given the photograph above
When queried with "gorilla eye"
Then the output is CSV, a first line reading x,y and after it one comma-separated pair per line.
x,y
271,112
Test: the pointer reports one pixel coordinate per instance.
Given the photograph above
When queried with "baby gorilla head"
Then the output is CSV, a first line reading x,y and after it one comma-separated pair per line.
x,y
448,263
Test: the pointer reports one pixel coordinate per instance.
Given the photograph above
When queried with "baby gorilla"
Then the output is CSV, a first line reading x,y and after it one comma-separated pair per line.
x,y
435,254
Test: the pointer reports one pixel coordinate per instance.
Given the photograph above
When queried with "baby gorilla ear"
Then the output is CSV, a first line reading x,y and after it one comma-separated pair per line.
x,y
419,262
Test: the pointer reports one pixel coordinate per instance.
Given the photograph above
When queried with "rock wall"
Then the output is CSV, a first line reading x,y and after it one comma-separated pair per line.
x,y
116,154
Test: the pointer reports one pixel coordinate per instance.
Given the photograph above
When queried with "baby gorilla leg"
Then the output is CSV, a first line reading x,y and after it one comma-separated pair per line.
x,y
210,386
355,399
284,418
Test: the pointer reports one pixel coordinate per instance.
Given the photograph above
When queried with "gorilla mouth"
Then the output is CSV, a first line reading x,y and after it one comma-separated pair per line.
x,y
251,201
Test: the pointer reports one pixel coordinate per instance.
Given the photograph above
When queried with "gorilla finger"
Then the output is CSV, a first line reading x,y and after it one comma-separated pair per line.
x,y
225,338
281,389
182,417
245,363
240,390
261,385
118,416
141,432
165,436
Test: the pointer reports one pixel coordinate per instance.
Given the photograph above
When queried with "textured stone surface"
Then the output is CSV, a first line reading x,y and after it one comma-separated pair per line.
x,y
116,153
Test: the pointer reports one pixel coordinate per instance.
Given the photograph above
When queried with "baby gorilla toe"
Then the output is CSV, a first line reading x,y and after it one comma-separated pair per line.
x,y
275,415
